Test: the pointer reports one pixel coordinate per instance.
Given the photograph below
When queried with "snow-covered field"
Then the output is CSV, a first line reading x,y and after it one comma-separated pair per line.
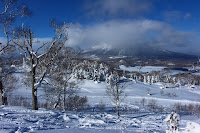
x,y
20,119
142,69
136,119
135,91
26,120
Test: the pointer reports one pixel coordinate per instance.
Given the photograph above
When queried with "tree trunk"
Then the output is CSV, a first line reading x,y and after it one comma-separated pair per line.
x,y
117,96
117,109
34,98
64,97
58,102
2,93
34,90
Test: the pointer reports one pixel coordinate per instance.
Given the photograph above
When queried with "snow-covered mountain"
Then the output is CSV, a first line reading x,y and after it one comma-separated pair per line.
x,y
133,51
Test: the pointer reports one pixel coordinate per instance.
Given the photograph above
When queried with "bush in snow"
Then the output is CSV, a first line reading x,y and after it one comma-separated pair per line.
x,y
100,106
197,110
172,122
171,94
143,101
187,109
152,104
148,92
19,101
161,92
76,102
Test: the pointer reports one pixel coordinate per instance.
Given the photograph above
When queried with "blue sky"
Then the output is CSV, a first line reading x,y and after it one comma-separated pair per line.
x,y
181,14
167,24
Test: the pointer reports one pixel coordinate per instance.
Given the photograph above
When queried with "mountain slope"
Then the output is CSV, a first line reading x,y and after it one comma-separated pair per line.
x,y
141,51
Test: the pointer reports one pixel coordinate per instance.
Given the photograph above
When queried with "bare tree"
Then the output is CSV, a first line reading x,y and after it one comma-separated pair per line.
x,y
116,91
60,75
39,62
9,11
7,82
143,101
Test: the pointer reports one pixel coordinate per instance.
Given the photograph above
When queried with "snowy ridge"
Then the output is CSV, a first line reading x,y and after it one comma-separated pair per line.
x,y
105,47
142,69
140,51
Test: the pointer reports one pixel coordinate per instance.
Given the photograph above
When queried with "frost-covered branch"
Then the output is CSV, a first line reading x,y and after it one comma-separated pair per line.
x,y
41,47
39,80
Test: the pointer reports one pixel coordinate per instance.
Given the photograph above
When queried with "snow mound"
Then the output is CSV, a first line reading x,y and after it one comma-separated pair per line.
x,y
86,122
66,118
192,127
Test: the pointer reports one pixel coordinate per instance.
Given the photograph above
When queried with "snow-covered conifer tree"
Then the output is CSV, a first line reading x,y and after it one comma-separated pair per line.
x,y
145,79
172,122
148,79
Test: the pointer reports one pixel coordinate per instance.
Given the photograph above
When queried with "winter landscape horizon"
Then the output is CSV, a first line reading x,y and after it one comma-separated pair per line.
x,y
120,66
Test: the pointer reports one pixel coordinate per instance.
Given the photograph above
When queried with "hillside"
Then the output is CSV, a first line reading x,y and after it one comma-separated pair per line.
x,y
138,51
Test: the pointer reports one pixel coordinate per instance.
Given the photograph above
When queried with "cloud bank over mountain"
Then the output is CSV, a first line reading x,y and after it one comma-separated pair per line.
x,y
131,33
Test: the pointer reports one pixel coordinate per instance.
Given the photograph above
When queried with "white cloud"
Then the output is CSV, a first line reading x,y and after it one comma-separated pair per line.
x,y
187,15
130,33
127,33
118,7
172,15
175,15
